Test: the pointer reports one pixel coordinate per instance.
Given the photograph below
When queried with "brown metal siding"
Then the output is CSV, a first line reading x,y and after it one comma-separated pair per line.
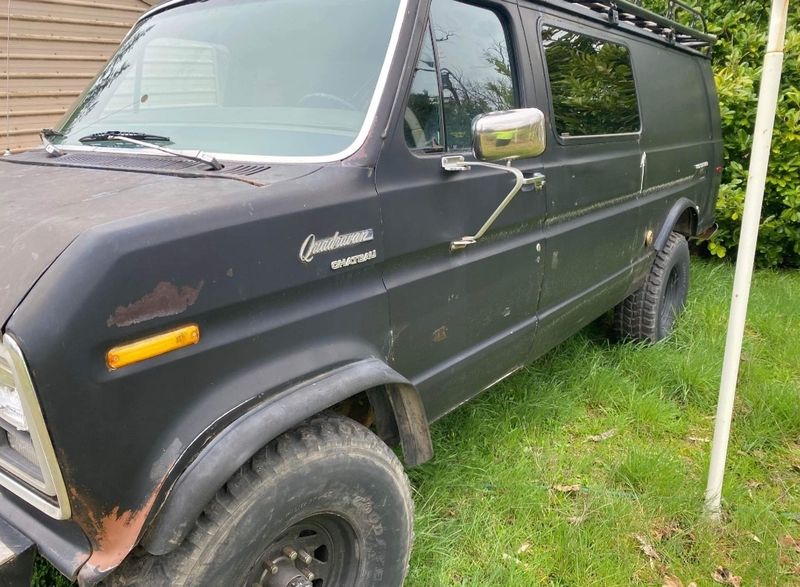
x,y
49,51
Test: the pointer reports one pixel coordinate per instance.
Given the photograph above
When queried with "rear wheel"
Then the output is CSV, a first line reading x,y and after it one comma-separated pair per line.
x,y
650,313
324,505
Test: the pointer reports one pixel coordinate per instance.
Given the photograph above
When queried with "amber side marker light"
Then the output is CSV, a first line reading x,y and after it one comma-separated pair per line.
x,y
152,346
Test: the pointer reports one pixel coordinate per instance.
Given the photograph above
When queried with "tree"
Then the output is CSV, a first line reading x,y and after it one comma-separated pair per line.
x,y
742,30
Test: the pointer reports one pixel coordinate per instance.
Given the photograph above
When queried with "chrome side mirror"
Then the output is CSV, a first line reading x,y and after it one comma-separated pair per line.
x,y
511,134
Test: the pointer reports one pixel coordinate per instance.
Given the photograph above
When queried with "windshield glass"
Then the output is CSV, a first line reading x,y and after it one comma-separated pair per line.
x,y
280,78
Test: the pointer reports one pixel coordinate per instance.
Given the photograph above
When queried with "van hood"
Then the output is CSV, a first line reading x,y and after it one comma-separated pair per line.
x,y
45,204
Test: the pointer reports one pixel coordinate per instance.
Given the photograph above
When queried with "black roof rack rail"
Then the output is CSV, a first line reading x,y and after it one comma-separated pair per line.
x,y
693,36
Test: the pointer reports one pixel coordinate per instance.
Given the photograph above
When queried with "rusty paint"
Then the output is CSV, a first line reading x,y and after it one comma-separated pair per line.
x,y
113,535
165,300
440,334
114,532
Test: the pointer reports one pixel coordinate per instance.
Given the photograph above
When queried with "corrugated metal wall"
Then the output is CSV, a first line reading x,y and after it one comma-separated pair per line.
x,y
49,51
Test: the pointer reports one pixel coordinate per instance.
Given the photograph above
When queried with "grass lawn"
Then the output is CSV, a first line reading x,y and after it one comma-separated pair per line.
x,y
589,467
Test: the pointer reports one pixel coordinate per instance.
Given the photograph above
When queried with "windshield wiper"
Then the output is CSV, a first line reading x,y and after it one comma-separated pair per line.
x,y
199,156
111,135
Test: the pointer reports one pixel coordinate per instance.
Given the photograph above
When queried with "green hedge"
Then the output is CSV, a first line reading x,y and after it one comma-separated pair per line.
x,y
738,58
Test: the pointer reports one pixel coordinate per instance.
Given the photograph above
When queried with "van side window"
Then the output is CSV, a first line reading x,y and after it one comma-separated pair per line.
x,y
592,85
423,116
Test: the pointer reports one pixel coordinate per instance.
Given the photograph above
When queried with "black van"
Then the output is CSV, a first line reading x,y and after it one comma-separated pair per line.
x,y
275,238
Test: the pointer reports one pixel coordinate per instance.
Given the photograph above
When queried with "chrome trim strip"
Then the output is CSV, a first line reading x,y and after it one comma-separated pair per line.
x,y
161,7
361,137
51,473
605,204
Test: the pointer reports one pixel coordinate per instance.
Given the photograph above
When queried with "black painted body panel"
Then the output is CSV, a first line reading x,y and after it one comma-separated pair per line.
x,y
460,320
263,324
45,209
90,259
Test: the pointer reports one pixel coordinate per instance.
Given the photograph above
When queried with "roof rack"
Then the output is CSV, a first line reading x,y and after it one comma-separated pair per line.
x,y
667,27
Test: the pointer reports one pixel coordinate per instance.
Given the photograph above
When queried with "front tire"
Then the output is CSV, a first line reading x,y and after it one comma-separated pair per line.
x,y
324,505
650,313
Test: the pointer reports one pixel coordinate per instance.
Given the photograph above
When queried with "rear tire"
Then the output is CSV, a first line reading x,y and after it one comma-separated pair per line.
x,y
650,313
324,505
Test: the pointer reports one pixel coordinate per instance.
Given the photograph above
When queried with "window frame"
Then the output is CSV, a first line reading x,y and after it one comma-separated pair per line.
x,y
420,152
507,22
575,28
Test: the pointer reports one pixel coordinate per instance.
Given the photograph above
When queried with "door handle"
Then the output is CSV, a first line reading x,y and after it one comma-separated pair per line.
x,y
701,169
457,163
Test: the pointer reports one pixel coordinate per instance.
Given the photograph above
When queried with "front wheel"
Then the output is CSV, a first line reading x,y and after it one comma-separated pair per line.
x,y
649,314
324,505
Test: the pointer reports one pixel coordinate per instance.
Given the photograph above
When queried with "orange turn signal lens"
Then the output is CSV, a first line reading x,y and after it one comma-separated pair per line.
x,y
152,346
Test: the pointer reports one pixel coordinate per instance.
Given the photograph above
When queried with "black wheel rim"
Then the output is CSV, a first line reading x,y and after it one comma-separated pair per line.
x,y
672,302
318,551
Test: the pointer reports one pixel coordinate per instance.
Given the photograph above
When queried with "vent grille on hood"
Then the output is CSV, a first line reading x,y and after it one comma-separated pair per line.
x,y
246,169
155,162
129,161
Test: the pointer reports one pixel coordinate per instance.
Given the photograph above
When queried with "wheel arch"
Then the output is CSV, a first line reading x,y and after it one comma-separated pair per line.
x,y
682,218
399,416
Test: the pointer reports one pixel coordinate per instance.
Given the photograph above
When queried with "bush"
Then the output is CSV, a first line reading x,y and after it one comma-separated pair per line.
x,y
738,59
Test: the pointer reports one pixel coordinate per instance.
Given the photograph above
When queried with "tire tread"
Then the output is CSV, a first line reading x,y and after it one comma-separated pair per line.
x,y
636,317
295,446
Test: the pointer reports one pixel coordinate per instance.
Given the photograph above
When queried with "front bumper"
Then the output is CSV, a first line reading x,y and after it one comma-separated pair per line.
x,y
16,557
61,542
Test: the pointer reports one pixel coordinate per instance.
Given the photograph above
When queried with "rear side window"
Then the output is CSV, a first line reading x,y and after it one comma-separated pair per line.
x,y
591,83
465,71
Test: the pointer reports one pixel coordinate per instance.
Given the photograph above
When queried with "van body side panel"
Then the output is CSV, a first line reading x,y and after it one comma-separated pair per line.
x,y
680,139
267,319
459,319
593,230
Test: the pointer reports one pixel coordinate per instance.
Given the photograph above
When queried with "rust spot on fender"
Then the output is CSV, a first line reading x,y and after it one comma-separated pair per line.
x,y
440,334
113,535
113,531
165,300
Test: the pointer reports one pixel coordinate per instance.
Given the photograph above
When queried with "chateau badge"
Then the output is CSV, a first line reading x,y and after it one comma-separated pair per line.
x,y
354,260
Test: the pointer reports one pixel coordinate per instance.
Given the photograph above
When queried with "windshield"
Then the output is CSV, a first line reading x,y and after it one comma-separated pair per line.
x,y
273,78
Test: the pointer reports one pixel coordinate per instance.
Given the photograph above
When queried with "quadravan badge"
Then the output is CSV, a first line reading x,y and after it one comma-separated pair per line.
x,y
312,246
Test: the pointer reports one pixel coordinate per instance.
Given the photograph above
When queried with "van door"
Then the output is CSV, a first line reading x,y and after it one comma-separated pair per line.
x,y
461,319
594,167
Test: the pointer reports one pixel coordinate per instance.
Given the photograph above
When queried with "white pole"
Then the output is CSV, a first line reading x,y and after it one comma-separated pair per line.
x,y
759,161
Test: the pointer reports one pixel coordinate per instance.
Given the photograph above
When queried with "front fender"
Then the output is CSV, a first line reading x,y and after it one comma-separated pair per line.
x,y
233,446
